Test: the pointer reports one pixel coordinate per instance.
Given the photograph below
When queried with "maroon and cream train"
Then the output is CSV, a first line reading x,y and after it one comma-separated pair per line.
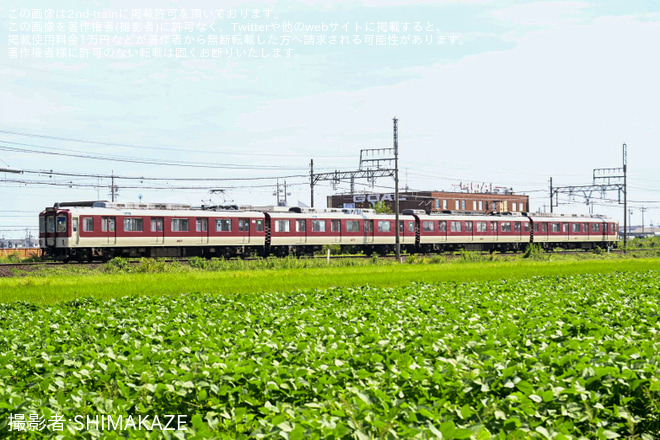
x,y
101,230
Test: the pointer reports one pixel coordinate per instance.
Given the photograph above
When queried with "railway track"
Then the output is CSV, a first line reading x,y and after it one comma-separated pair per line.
x,y
333,257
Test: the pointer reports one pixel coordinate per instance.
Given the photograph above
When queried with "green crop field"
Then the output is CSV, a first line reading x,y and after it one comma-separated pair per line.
x,y
542,357
153,278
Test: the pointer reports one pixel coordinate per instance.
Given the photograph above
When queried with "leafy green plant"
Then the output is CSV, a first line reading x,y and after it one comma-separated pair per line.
x,y
551,357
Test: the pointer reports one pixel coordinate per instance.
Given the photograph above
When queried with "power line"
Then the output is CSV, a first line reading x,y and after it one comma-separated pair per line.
x,y
83,155
191,179
72,184
143,147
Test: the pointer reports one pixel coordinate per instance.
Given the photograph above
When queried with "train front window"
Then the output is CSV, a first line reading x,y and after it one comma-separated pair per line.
x,y
61,224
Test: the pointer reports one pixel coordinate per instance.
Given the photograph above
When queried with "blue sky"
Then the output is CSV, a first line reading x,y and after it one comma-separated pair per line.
x,y
528,91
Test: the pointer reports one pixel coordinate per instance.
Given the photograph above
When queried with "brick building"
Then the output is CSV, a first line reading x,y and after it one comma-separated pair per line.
x,y
437,201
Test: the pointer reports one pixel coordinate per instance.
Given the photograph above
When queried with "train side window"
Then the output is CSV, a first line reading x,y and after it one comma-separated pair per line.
x,y
456,227
336,225
282,226
88,224
555,227
526,227
368,226
74,225
482,227
564,227
259,225
42,224
428,226
575,227
133,224
585,227
243,225
468,226
301,226
536,227
411,227
352,226
223,225
506,226
544,227
442,226
180,225
595,227
516,226
318,225
384,226
157,224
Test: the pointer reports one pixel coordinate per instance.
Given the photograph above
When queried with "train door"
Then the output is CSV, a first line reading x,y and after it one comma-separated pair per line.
x,y
335,227
301,230
49,237
244,230
74,230
158,230
442,230
109,230
202,229
368,231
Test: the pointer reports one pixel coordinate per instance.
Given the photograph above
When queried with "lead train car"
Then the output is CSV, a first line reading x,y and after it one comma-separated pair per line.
x,y
99,230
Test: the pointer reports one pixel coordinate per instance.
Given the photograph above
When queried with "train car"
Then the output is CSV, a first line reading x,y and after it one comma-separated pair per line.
x,y
304,232
573,231
100,230
449,232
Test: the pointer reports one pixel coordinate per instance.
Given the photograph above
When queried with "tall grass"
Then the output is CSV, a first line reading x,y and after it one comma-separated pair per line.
x,y
142,282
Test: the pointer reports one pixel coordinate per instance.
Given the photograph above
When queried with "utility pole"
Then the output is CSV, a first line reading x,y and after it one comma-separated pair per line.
x,y
278,191
625,194
630,212
551,195
113,188
397,242
643,210
311,181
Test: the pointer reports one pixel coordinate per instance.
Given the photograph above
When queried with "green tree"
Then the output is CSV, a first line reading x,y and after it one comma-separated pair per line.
x,y
382,208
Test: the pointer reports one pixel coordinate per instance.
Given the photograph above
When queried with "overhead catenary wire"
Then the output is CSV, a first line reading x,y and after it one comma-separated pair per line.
x,y
144,161
215,151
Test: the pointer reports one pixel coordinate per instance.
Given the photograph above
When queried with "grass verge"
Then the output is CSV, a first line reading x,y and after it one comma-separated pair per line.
x,y
50,290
